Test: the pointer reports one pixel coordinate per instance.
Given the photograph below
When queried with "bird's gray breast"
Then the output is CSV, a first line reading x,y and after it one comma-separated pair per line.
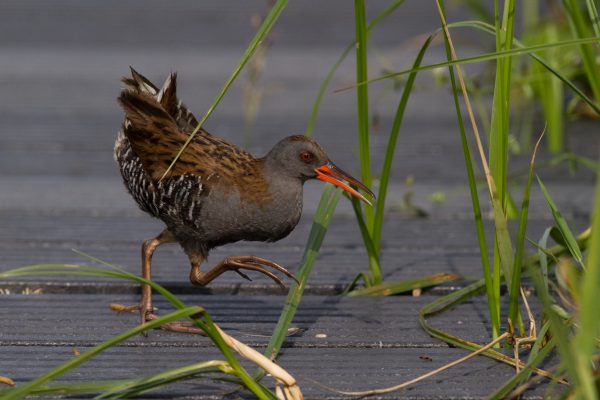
x,y
232,217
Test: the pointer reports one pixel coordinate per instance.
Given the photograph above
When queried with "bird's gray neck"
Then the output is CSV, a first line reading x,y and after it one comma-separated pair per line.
x,y
285,208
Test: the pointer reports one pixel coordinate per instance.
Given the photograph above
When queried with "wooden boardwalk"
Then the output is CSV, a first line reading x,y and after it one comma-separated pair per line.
x,y
59,189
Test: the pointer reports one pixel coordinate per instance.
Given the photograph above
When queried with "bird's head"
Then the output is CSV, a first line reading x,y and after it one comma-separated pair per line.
x,y
299,157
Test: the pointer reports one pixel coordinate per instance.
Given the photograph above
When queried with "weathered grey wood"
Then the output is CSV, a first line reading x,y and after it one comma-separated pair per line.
x,y
398,232
369,322
342,369
207,24
332,272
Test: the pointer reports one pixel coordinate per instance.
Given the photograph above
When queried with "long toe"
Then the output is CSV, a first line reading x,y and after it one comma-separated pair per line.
x,y
120,308
268,263
234,264
183,327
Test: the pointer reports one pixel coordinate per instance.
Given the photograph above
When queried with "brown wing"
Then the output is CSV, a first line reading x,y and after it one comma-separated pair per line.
x,y
156,139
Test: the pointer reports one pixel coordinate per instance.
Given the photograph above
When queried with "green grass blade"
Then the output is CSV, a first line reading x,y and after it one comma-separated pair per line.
x,y
580,29
139,386
584,343
317,103
408,285
261,33
542,244
372,252
25,389
593,14
391,147
562,225
327,205
498,143
354,282
362,93
515,283
493,300
539,343
73,388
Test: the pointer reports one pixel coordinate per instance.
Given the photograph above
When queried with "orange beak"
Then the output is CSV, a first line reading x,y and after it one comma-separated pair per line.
x,y
332,174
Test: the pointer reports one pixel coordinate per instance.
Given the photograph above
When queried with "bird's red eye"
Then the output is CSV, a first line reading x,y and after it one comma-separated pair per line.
x,y
306,156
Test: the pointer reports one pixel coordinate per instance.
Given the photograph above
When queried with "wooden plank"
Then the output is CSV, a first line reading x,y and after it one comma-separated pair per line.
x,y
342,369
347,343
412,248
192,24
398,232
332,272
324,321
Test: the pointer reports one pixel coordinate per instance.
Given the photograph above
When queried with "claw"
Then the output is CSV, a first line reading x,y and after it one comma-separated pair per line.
x,y
263,261
254,267
243,275
120,308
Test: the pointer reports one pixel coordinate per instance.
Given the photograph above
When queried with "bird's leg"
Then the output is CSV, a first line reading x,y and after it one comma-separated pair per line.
x,y
237,263
148,247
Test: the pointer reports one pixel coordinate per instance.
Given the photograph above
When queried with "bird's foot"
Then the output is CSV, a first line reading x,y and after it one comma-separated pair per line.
x,y
179,326
120,308
144,309
147,314
238,263
254,263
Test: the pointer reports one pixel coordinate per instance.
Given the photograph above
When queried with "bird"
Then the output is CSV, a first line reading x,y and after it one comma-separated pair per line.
x,y
216,193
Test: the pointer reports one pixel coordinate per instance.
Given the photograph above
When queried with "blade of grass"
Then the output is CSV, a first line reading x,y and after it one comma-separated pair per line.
x,y
593,14
562,225
374,266
261,33
502,238
139,386
513,303
540,343
543,256
493,295
391,147
354,282
327,205
74,388
584,343
580,29
362,94
397,287
498,144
